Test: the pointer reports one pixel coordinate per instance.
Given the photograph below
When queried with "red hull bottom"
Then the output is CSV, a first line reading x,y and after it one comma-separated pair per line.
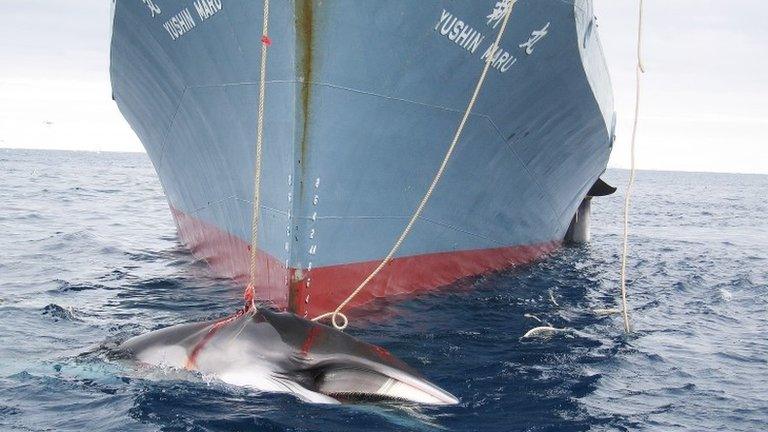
x,y
320,290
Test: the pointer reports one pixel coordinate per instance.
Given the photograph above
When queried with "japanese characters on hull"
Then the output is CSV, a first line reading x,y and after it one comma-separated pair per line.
x,y
470,39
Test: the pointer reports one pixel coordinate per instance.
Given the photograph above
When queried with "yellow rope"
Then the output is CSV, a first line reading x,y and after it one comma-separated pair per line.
x,y
337,312
259,141
639,70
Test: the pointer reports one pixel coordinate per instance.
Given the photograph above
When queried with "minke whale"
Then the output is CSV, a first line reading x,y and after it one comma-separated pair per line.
x,y
282,352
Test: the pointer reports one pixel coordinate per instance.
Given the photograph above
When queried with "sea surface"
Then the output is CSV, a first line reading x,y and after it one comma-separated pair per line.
x,y
89,256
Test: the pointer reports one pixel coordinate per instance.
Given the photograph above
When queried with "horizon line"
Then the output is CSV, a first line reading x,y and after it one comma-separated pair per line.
x,y
688,171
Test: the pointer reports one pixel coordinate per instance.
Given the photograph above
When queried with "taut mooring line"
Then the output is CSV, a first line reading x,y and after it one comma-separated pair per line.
x,y
265,43
639,70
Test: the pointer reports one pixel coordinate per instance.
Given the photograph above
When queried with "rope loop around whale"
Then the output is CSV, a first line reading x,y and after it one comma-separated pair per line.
x,y
334,315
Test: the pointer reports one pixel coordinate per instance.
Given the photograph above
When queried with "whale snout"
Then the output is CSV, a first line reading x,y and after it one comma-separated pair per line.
x,y
353,383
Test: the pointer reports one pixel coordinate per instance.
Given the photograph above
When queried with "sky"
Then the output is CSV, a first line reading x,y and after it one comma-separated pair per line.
x,y
704,99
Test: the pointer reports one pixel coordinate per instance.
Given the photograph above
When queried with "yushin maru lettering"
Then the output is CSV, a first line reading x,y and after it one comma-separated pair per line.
x,y
464,35
500,59
459,32
207,8
180,24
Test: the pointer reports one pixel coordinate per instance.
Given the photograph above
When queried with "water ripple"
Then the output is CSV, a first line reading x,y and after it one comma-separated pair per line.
x,y
114,269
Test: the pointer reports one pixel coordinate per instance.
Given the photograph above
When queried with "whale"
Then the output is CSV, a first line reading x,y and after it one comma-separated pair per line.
x,y
273,351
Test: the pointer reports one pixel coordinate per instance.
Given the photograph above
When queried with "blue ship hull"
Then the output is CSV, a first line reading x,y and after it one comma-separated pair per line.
x,y
362,100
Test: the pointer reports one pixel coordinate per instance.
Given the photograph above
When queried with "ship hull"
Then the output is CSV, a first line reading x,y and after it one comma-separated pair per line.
x,y
362,100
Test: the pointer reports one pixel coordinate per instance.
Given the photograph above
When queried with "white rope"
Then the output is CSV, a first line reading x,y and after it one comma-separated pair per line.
x,y
259,140
337,312
552,296
534,317
543,331
639,70
606,311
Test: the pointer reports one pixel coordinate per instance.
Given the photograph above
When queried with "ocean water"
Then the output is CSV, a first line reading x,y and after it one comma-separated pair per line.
x,y
89,256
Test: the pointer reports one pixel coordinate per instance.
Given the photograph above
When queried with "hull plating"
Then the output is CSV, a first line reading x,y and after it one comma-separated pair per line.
x,y
363,98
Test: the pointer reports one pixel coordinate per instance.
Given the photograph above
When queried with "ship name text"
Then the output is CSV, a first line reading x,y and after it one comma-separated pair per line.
x,y
207,8
180,24
536,36
183,22
459,32
500,59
